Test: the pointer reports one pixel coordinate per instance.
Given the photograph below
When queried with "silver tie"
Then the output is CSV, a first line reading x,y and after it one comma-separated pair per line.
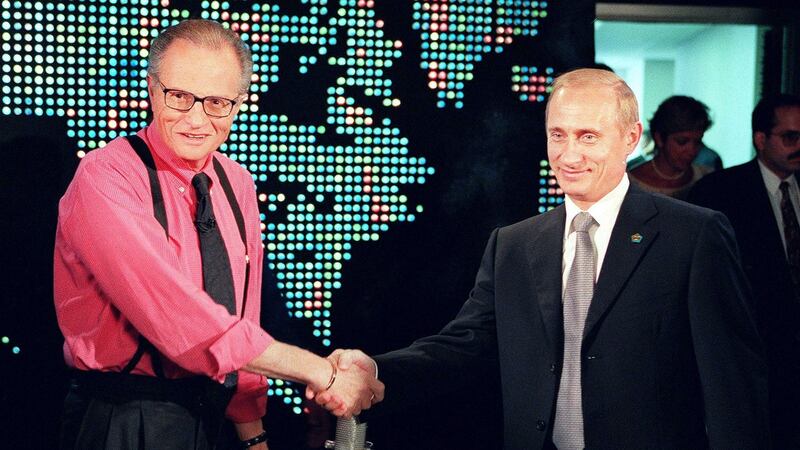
x,y
568,426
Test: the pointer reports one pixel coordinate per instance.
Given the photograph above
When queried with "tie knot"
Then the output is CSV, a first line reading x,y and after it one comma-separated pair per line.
x,y
784,187
582,222
200,183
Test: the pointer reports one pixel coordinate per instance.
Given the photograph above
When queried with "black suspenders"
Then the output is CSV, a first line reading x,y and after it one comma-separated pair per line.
x,y
160,213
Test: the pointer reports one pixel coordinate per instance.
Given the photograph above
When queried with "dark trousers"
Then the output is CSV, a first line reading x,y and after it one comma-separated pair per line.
x,y
134,425
128,412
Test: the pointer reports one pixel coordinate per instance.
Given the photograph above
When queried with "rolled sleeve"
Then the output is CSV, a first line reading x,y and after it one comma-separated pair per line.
x,y
239,345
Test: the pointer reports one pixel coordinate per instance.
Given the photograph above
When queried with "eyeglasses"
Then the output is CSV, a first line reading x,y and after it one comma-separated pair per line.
x,y
184,101
790,138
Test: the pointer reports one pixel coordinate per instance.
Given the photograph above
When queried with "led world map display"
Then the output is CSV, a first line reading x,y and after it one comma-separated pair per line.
x,y
457,34
325,186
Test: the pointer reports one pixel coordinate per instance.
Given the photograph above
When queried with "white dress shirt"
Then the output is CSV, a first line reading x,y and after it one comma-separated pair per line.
x,y
773,183
604,212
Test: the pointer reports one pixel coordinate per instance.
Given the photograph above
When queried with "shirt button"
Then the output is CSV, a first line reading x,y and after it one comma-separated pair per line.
x,y
541,425
181,189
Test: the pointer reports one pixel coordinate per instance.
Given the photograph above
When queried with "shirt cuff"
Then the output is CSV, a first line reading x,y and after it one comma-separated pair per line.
x,y
250,401
242,343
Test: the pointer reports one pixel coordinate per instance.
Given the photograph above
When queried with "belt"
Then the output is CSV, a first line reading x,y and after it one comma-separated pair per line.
x,y
190,392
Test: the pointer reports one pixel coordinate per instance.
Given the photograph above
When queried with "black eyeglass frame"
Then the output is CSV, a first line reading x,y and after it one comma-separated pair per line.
x,y
202,100
788,137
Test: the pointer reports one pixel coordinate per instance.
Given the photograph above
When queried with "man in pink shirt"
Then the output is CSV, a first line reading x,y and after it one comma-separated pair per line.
x,y
158,261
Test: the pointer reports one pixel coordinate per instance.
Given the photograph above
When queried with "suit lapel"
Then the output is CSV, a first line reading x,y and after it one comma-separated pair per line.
x,y
544,257
759,199
623,253
763,238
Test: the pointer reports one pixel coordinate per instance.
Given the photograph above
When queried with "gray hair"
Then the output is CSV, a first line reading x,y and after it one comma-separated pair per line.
x,y
627,106
203,33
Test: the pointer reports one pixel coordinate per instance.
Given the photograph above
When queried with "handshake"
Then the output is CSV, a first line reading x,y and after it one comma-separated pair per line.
x,y
353,387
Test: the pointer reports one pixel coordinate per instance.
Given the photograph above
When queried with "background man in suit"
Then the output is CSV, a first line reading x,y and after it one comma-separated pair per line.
x,y
761,198
619,320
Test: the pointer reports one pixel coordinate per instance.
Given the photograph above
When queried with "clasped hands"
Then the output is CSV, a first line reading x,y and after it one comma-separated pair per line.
x,y
355,387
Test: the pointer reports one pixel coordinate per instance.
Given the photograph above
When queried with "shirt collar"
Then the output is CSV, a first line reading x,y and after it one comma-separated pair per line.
x,y
771,181
604,211
174,163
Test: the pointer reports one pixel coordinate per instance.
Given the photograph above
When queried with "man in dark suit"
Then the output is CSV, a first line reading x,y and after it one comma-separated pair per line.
x,y
752,196
619,320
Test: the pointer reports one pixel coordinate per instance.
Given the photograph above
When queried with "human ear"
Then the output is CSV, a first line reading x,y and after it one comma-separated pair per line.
x,y
759,140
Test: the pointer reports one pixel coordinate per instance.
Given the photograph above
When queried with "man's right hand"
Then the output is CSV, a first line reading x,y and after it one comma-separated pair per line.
x,y
344,358
356,386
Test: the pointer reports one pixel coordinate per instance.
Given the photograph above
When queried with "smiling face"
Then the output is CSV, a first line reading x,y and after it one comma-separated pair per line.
x,y
193,135
586,144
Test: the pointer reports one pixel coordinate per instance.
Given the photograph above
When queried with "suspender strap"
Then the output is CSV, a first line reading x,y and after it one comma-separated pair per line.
x,y
155,357
237,214
155,186
160,212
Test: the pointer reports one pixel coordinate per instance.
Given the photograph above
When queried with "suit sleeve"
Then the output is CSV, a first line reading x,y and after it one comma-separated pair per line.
x,y
464,351
727,346
703,193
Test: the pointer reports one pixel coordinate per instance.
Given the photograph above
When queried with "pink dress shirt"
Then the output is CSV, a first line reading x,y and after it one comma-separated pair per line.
x,y
117,274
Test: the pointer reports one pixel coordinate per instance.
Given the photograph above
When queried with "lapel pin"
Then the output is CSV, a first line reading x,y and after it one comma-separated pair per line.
x,y
636,238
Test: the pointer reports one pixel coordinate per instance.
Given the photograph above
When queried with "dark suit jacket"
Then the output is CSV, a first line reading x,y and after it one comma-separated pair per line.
x,y
739,193
671,357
